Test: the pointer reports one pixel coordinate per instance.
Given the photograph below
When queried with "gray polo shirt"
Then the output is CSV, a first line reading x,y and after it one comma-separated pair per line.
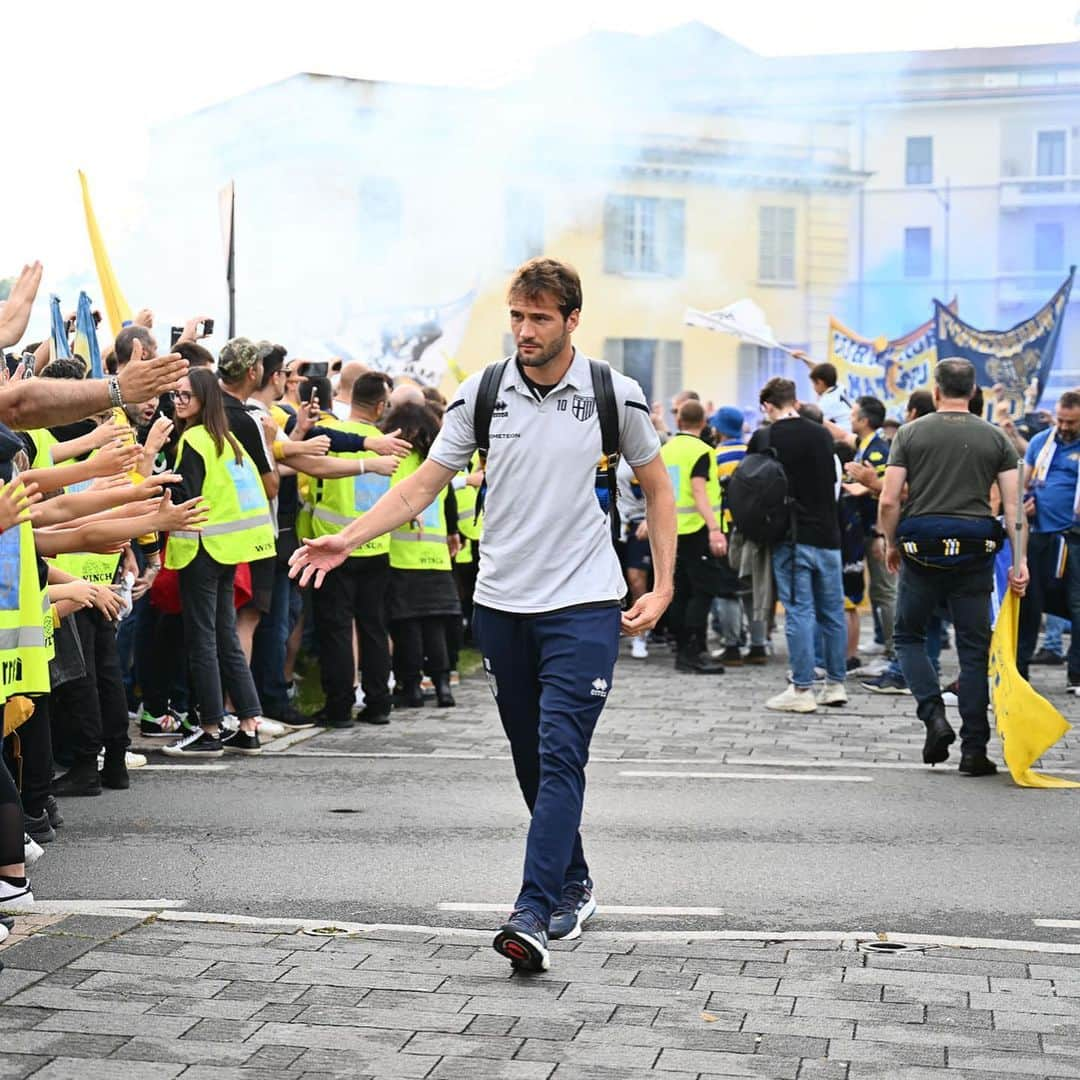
x,y
547,543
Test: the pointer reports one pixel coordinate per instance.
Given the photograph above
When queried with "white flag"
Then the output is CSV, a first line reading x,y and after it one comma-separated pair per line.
x,y
743,319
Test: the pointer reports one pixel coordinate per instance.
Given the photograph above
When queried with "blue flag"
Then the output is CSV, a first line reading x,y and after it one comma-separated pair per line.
x,y
60,348
86,342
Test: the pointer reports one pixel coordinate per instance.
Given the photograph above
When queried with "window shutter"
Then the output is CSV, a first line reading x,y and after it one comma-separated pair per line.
x,y
674,238
613,352
670,375
614,232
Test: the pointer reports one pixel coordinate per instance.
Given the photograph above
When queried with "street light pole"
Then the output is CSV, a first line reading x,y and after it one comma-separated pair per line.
x,y
946,204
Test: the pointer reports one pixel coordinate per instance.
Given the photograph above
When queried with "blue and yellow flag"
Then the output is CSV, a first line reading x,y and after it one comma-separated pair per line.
x,y
1027,723
86,342
58,341
116,307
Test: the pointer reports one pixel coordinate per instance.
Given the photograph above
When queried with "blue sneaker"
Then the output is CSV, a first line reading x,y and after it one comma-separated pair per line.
x,y
577,905
523,940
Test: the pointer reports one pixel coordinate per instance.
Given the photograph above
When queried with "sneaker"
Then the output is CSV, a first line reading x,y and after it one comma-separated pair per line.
x,y
133,760
639,649
1072,684
951,694
197,744
39,828
271,729
872,669
32,850
792,700
732,656
455,678
576,906
15,897
291,718
523,940
358,698
230,722
832,693
159,727
52,808
377,716
113,774
757,655
242,742
888,683
1050,659
977,766
872,648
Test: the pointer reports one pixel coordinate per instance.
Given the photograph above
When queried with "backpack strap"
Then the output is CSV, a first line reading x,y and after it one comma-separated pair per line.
x,y
486,396
608,412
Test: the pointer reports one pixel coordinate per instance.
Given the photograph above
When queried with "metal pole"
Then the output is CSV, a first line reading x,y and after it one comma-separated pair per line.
x,y
1018,528
948,209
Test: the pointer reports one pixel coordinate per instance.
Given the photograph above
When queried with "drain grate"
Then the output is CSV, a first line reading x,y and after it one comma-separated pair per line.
x,y
330,931
891,947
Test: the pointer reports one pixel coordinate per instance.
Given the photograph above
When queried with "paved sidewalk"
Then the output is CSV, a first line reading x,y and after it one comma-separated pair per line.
x,y
102,997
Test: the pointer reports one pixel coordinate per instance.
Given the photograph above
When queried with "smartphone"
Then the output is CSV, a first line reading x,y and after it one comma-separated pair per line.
x,y
316,369
206,328
174,335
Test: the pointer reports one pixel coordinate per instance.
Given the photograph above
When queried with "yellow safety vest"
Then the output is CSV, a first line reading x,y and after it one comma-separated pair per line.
x,y
470,524
339,502
26,620
44,441
411,548
680,454
97,569
238,527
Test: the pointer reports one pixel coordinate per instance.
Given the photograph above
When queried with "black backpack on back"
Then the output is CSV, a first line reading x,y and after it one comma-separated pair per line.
x,y
607,412
757,496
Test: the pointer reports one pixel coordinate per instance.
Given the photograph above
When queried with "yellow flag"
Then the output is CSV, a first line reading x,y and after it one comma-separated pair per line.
x,y
116,307
1027,723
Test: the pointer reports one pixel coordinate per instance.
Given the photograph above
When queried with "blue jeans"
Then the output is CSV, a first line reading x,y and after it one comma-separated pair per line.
x,y
965,592
1042,556
550,675
809,583
270,643
1053,639
935,629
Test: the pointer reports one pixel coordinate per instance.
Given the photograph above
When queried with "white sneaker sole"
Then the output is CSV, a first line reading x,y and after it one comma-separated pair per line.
x,y
587,912
17,903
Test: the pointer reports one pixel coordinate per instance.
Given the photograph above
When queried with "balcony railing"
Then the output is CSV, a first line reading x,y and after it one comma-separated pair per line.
x,y
1018,191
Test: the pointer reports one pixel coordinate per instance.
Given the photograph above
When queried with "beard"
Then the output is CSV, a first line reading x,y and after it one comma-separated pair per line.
x,y
545,355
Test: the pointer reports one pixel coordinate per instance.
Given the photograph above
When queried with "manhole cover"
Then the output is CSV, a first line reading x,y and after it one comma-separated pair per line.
x,y
330,931
891,947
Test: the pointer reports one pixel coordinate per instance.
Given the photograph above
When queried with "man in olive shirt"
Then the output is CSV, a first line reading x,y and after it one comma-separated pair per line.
x,y
947,535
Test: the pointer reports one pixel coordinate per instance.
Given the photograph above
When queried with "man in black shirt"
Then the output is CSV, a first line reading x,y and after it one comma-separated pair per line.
x,y
807,565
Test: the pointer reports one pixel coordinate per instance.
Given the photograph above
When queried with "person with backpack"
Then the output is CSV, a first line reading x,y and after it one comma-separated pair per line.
x,y
547,604
691,464
784,494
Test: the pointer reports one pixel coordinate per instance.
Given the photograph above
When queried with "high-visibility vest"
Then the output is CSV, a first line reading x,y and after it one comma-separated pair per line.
x,y
470,524
26,619
339,502
97,569
238,527
44,440
680,454
411,548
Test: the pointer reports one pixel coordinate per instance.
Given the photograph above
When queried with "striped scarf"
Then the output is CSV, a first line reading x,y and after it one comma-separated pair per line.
x,y
1042,468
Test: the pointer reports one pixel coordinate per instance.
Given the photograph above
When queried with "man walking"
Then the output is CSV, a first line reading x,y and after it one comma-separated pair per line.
x,y
806,563
1052,506
942,543
547,614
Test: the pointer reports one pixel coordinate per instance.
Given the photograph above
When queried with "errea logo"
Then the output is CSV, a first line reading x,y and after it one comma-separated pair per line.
x,y
599,688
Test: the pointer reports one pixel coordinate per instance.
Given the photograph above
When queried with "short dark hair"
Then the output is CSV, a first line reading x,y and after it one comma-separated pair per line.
x,y
691,413
1070,399
370,388
873,410
273,358
825,373
64,367
433,395
195,354
955,379
777,392
127,338
540,277
921,403
809,411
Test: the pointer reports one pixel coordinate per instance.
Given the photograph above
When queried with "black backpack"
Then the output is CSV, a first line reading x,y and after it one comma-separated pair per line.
x,y
607,412
757,495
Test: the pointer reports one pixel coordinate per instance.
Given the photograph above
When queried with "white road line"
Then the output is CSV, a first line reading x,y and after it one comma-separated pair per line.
x,y
834,778
183,768
291,738
842,937
605,909
85,907
1058,924
384,754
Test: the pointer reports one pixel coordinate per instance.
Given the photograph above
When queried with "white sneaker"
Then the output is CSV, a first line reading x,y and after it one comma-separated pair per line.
x,y
3,933
131,760
792,700
32,850
639,649
270,729
358,698
832,693
15,897
872,648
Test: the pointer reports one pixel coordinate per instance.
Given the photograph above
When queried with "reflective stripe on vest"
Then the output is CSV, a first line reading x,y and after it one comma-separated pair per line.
x,y
26,625
238,528
415,549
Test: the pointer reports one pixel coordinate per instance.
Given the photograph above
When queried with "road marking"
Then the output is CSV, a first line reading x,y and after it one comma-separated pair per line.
x,y
604,909
291,738
385,754
834,778
269,924
183,768
1058,924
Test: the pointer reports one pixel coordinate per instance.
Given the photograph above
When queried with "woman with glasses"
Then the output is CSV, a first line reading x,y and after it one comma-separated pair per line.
x,y
213,464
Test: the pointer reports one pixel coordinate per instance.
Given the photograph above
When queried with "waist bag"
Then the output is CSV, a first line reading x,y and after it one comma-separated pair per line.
x,y
946,543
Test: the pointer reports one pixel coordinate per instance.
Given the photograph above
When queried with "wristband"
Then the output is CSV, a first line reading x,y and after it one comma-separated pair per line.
x,y
116,396
362,470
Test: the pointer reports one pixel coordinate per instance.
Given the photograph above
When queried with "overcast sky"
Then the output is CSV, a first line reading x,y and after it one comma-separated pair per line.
x,y
84,83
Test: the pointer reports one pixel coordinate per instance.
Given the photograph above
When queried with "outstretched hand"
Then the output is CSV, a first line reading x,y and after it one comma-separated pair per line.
x,y
317,558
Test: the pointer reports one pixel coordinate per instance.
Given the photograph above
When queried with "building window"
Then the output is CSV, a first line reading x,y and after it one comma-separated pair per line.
x,y
920,160
380,215
524,227
655,365
644,235
776,244
1049,246
1050,153
916,253
756,365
